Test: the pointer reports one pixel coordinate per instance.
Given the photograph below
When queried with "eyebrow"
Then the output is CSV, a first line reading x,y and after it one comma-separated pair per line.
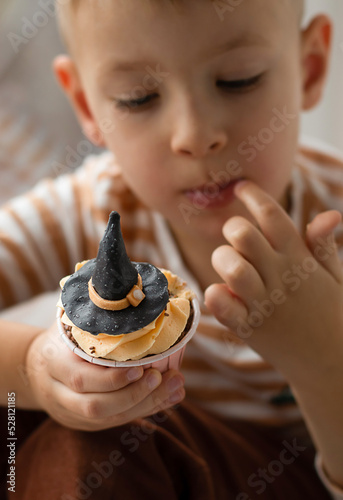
x,y
241,41
238,42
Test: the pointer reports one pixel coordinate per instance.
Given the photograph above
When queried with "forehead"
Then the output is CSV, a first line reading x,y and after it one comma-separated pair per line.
x,y
132,23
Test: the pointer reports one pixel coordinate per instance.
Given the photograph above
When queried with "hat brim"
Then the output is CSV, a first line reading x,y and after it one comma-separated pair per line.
x,y
87,316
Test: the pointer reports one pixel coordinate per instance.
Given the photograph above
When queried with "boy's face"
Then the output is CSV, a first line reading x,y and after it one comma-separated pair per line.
x,y
220,99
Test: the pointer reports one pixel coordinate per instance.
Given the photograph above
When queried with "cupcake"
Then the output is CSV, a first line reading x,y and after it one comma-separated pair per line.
x,y
116,312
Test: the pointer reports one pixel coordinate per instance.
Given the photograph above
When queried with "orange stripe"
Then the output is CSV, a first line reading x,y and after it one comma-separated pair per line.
x,y
220,334
7,292
136,233
321,158
22,264
31,241
213,395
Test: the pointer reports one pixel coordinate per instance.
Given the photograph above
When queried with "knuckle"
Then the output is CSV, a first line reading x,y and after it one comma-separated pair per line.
x,y
237,271
269,210
241,234
76,382
113,379
92,409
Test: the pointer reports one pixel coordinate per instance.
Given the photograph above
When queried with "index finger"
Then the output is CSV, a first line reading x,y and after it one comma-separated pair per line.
x,y
83,377
275,223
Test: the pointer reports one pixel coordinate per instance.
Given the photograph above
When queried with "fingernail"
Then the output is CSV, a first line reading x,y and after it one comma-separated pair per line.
x,y
240,184
134,374
174,383
153,381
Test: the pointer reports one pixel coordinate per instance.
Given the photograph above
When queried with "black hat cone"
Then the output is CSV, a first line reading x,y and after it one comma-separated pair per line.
x,y
114,275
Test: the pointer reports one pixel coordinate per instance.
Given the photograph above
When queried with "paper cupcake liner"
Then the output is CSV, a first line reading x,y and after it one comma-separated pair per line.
x,y
170,359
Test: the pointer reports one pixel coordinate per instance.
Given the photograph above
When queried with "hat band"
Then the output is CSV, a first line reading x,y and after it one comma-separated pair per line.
x,y
133,298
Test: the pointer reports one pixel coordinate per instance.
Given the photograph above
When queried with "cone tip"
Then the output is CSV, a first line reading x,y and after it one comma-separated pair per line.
x,y
114,217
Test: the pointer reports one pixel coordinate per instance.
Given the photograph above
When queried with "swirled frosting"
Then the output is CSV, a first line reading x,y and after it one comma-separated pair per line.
x,y
154,338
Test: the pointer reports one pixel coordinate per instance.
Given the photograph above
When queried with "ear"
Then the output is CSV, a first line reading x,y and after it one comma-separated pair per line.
x,y
69,79
316,45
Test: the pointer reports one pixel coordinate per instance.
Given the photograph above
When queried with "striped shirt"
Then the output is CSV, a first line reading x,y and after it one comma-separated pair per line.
x,y
60,222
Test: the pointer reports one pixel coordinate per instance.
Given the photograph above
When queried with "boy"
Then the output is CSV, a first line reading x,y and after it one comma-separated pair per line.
x,y
199,104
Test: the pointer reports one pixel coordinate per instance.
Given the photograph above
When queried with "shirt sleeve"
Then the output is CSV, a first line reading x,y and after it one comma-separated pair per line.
x,y
38,240
335,491
45,232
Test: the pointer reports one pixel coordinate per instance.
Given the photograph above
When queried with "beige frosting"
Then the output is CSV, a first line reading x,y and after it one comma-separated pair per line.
x,y
154,338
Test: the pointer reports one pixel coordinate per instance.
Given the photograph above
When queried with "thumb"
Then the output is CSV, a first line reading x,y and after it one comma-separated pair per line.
x,y
321,241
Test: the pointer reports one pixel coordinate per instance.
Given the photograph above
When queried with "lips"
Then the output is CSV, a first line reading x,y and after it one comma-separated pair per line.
x,y
212,195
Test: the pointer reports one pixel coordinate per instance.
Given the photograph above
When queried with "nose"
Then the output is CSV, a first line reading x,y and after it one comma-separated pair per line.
x,y
198,133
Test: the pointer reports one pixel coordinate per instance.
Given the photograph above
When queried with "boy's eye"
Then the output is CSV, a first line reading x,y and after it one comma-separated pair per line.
x,y
134,103
240,85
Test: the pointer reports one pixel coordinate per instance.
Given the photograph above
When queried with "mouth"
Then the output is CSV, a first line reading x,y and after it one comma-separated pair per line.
x,y
212,195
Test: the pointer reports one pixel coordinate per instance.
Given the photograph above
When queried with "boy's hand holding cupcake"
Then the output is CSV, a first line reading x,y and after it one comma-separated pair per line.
x,y
131,318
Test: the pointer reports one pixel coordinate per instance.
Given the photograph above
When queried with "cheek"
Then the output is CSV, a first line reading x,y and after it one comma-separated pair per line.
x,y
147,182
269,152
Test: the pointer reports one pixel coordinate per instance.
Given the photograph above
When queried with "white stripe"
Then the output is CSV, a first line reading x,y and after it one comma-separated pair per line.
x,y
69,221
146,250
62,212
329,199
225,350
86,177
142,219
265,376
172,257
324,171
322,147
22,206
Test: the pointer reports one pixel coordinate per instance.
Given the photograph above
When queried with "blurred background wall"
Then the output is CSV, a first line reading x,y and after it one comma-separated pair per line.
x,y
39,135
326,121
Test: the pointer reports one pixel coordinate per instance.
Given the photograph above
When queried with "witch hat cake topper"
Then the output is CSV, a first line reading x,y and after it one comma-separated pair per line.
x,y
111,294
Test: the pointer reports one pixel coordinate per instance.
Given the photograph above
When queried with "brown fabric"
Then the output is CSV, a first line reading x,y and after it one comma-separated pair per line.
x,y
181,454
